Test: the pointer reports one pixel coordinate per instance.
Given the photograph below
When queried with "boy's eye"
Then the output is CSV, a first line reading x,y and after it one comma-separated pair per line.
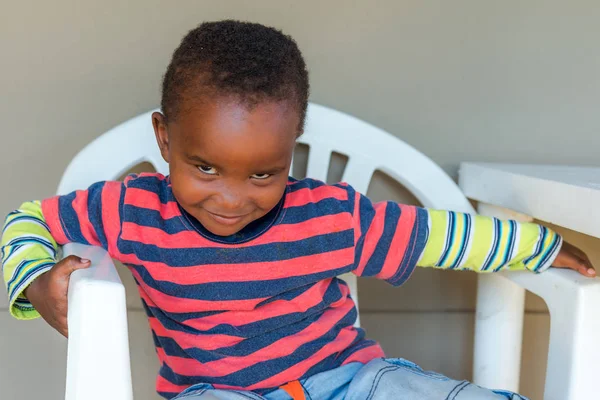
x,y
260,176
207,169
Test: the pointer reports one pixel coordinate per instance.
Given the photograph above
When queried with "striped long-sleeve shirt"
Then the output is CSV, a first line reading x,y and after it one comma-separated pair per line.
x,y
262,307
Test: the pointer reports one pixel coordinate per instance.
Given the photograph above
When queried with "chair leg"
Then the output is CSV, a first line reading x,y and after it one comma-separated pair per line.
x,y
498,333
574,351
498,322
568,339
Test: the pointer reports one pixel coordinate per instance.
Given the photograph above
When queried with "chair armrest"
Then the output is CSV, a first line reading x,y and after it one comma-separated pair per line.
x,y
98,364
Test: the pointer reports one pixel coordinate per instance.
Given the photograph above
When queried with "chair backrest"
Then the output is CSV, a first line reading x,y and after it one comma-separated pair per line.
x,y
367,147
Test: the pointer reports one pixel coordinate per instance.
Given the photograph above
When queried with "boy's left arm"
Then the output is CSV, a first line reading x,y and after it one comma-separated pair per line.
x,y
482,244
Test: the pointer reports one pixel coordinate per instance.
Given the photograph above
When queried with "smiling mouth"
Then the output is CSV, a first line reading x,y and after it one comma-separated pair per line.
x,y
227,220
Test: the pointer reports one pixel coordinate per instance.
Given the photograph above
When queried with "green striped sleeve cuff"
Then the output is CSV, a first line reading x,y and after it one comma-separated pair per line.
x,y
482,244
28,250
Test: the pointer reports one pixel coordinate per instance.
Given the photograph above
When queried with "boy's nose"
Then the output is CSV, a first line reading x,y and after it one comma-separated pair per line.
x,y
231,200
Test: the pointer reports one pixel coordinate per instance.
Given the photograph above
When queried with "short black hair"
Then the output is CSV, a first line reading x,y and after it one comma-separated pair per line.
x,y
251,61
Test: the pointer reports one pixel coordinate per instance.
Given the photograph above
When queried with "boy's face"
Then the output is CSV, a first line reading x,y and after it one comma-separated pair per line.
x,y
228,164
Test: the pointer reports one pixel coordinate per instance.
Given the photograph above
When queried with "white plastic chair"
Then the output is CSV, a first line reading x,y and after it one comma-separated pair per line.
x,y
98,350
98,364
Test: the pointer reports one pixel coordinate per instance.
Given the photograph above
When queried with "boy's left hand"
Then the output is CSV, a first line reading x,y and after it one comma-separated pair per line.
x,y
573,258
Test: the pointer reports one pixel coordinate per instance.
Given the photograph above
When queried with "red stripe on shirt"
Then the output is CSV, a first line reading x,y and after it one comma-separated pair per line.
x,y
307,195
50,210
111,218
284,233
163,385
356,219
144,199
399,243
80,206
269,270
190,340
372,237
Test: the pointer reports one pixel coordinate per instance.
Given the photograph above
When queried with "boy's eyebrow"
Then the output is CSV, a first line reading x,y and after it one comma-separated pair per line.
x,y
199,160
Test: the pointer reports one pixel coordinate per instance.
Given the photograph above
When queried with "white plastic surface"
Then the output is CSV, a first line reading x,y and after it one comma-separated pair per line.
x,y
566,196
369,149
112,154
562,195
98,365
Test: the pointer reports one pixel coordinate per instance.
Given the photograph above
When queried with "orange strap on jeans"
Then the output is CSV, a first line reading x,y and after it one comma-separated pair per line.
x,y
294,389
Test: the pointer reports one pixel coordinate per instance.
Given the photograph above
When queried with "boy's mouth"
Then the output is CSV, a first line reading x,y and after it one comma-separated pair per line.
x,y
226,219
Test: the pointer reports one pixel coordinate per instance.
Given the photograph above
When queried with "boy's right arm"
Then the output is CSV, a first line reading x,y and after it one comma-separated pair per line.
x,y
28,251
37,284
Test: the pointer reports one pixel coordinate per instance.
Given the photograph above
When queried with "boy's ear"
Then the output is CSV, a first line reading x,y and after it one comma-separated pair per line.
x,y
159,123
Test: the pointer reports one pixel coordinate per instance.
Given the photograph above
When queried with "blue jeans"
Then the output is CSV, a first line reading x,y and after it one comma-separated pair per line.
x,y
380,379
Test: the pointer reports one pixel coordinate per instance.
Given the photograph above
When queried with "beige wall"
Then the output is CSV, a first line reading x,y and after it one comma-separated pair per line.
x,y
513,81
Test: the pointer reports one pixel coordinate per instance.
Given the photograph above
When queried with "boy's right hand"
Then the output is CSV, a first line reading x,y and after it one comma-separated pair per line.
x,y
48,292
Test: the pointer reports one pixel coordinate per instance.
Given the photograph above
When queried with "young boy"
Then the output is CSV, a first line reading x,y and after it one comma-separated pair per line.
x,y
237,263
